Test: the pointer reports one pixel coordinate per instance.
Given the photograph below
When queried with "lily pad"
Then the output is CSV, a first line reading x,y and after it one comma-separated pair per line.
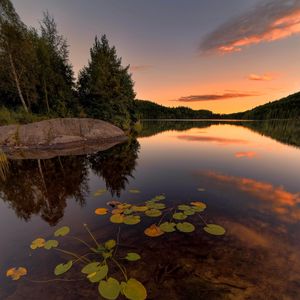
x,y
185,227
109,289
117,211
110,244
37,243
189,212
159,198
128,211
118,218
16,273
131,256
153,231
199,204
134,191
139,208
98,275
124,206
167,227
91,268
63,268
134,290
153,213
214,229
156,205
62,231
184,207
51,244
132,220
179,216
101,211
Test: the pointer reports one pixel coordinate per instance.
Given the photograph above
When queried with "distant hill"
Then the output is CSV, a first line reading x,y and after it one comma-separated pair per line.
x,y
150,110
286,108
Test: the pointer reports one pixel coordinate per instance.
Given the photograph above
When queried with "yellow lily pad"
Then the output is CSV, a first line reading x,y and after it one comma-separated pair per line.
x,y
153,231
134,290
16,273
214,229
101,211
118,218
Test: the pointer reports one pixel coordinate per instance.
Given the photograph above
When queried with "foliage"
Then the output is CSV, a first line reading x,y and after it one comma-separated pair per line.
x,y
105,87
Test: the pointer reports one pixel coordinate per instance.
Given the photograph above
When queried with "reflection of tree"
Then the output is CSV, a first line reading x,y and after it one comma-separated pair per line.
x,y
116,165
43,187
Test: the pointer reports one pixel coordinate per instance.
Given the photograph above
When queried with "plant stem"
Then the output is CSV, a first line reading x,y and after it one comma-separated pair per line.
x,y
203,220
88,230
52,280
80,240
119,266
73,254
118,241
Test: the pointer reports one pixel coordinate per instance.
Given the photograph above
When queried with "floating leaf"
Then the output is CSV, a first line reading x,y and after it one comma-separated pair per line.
x,y
124,206
16,273
139,208
153,231
156,205
131,256
167,227
128,211
189,212
153,213
63,268
184,207
199,204
179,216
100,192
37,243
98,275
134,290
51,244
107,254
132,220
117,211
214,229
62,231
91,268
101,211
109,289
117,218
110,244
134,191
185,227
159,198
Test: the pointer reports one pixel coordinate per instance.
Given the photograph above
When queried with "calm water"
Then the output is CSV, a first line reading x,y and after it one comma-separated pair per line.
x,y
249,173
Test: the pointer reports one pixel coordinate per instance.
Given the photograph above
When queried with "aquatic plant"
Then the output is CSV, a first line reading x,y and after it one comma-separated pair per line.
x,y
97,262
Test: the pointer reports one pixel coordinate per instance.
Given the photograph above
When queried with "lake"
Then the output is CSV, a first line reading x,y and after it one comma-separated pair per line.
x,y
247,174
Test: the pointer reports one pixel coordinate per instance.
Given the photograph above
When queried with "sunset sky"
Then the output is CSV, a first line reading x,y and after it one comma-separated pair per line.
x,y
226,56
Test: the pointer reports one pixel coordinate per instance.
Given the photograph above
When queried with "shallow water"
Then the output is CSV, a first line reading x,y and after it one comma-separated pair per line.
x,y
247,173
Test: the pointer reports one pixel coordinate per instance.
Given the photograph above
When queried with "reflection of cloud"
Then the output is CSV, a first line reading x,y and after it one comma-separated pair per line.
x,y
215,97
264,77
140,68
245,154
277,199
219,140
269,21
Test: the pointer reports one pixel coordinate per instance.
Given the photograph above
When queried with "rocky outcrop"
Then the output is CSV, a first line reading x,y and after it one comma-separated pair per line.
x,y
60,134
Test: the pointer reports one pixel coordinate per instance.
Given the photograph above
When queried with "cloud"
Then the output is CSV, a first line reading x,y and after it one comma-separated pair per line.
x,y
212,139
140,68
216,97
268,21
264,77
245,154
275,199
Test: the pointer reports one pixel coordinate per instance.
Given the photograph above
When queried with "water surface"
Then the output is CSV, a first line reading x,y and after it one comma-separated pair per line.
x,y
247,173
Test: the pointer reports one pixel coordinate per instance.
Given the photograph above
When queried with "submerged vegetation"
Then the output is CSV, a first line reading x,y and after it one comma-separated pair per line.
x,y
101,257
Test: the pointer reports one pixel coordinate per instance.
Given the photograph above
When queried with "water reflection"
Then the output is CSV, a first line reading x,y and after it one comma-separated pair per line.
x,y
3,165
42,187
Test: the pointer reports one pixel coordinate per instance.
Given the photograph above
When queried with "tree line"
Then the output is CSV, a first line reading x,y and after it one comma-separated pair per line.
x,y
36,75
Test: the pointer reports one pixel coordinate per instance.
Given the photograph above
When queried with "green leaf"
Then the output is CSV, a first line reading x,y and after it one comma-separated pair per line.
x,y
117,218
153,213
98,275
128,211
109,289
51,244
110,244
185,227
63,268
107,254
131,256
134,191
62,231
189,212
159,198
156,205
167,227
91,268
134,290
179,216
132,220
214,229
184,207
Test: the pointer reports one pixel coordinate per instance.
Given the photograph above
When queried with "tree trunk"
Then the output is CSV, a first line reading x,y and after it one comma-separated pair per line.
x,y
17,82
